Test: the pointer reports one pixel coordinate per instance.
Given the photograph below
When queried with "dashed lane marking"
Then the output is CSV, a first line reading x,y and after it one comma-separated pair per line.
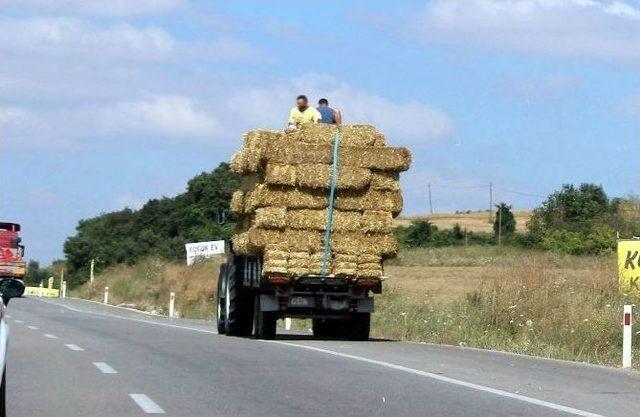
x,y
146,404
33,327
50,336
74,347
105,368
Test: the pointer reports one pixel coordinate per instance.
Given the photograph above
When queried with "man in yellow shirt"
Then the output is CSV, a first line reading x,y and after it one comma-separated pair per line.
x,y
302,113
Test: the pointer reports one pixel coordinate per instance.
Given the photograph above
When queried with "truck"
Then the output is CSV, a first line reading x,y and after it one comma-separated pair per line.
x,y
12,263
249,303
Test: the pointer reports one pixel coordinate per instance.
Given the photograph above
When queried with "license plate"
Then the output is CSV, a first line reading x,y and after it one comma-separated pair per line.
x,y
300,302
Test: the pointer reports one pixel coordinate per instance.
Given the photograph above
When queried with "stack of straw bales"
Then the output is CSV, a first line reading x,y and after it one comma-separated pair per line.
x,y
284,194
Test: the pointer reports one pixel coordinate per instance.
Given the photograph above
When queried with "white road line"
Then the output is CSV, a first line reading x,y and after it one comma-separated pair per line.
x,y
448,380
105,368
147,404
8,316
18,321
74,347
33,327
175,326
50,336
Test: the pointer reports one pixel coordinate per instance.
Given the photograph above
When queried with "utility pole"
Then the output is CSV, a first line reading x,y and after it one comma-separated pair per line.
x,y
61,279
490,202
91,271
430,201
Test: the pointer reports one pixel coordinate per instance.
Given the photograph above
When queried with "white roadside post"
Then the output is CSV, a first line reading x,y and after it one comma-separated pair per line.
x,y
287,323
40,289
172,303
106,295
64,289
626,337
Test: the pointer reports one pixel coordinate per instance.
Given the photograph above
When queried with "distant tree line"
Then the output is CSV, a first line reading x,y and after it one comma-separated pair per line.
x,y
578,220
161,227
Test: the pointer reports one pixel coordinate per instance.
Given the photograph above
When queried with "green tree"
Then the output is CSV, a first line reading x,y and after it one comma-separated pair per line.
x,y
161,227
505,221
419,232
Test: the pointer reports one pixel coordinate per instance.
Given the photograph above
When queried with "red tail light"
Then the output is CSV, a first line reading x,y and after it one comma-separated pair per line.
x,y
277,281
368,282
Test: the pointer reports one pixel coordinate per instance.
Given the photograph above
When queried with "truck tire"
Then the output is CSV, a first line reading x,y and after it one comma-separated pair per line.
x,y
359,326
238,311
220,300
264,322
3,394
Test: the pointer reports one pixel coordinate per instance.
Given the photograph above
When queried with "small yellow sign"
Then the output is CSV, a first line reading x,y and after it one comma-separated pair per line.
x,y
629,266
41,292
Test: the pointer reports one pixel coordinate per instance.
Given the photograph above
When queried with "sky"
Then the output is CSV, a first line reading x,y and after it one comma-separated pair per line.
x,y
104,105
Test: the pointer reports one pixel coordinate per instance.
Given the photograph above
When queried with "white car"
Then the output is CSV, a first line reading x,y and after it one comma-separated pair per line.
x,y
9,288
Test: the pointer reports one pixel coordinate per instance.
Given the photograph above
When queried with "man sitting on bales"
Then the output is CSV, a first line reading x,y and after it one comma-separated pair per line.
x,y
329,115
302,113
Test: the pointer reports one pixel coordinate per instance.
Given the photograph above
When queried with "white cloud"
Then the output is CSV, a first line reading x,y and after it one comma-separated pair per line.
x,y
96,7
69,37
164,115
608,31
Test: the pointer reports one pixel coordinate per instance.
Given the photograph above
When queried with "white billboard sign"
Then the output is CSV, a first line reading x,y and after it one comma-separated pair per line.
x,y
203,250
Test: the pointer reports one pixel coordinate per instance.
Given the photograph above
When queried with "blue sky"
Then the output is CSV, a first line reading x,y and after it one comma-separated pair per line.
x,y
108,104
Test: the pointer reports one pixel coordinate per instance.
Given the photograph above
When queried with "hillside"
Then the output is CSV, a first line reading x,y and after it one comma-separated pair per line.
x,y
476,221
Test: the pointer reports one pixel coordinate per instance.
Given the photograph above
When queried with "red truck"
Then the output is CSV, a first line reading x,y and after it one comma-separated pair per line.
x,y
12,264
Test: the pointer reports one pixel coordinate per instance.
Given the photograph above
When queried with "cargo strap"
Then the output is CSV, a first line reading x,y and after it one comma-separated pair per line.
x,y
332,195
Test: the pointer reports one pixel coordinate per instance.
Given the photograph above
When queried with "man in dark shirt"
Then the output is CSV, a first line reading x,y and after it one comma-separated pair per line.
x,y
329,115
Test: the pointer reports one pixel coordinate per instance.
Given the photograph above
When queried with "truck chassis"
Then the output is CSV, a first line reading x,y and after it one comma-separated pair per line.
x,y
250,304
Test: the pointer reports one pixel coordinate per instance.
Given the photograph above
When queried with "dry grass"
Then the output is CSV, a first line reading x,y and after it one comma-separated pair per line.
x,y
475,222
146,286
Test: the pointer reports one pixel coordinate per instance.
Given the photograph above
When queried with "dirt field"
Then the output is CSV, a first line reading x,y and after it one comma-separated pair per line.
x,y
474,222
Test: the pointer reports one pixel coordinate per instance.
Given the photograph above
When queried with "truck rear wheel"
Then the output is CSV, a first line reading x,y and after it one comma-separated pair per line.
x,y
359,326
220,300
238,304
264,322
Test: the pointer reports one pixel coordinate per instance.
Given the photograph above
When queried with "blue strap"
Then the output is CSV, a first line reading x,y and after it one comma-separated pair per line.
x,y
332,195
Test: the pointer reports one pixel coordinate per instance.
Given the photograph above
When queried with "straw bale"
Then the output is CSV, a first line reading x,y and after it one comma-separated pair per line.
x,y
272,268
392,159
263,237
271,217
380,141
298,255
345,257
352,135
346,221
354,243
303,240
238,163
240,242
248,182
274,195
377,221
385,180
319,176
366,258
306,219
275,255
296,272
285,151
361,200
369,270
279,174
237,202
345,269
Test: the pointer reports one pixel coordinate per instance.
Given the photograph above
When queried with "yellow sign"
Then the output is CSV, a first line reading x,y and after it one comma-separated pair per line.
x,y
41,292
629,266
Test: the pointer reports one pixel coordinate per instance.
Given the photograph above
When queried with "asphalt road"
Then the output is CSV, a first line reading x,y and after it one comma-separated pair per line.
x,y
76,358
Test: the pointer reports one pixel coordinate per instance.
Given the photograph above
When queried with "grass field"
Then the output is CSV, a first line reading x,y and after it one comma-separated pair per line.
x,y
503,298
477,221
